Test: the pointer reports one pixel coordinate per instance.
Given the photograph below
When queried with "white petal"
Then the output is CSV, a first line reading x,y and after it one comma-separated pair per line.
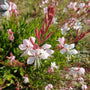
x,y
44,55
5,6
22,47
46,46
6,14
63,51
30,52
71,46
49,51
27,43
73,51
13,5
30,60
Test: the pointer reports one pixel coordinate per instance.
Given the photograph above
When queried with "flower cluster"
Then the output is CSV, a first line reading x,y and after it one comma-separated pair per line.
x,y
53,65
77,73
10,8
34,51
12,59
66,48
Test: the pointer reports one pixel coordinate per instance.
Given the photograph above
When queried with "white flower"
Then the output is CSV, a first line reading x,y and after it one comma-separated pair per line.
x,y
81,80
73,5
46,1
49,87
55,20
77,25
81,5
89,4
84,87
53,65
39,53
45,10
69,49
26,80
81,71
27,46
61,41
65,28
77,70
9,8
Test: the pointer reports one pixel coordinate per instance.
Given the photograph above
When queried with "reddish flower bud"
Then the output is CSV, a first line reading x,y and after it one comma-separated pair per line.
x,y
51,13
47,36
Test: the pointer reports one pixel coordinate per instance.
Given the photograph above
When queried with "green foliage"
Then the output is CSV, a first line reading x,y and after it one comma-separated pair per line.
x,y
23,29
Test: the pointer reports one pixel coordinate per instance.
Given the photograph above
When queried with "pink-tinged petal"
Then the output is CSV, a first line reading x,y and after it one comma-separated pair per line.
x,y
27,43
49,87
88,22
49,51
61,41
22,47
13,5
30,60
11,37
45,10
27,52
81,71
63,51
84,87
46,46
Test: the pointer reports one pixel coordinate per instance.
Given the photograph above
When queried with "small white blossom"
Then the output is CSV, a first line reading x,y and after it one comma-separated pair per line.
x,y
55,20
81,80
26,80
69,49
65,28
81,5
77,25
45,10
77,71
49,87
73,5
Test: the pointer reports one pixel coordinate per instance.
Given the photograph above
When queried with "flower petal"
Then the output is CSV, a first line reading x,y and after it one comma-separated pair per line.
x,y
73,52
49,51
71,46
22,47
27,43
63,51
30,60
46,46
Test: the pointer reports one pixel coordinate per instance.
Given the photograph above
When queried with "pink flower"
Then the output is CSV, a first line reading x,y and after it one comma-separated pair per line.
x,y
49,87
84,87
61,41
13,9
53,65
81,71
13,5
9,31
88,22
11,37
11,58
